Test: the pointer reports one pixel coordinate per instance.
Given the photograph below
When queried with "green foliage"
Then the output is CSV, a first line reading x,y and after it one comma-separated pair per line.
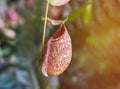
x,y
74,14
87,13
5,51
9,82
84,10
16,76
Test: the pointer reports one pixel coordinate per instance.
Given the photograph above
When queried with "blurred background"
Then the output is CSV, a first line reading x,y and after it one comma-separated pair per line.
x,y
94,27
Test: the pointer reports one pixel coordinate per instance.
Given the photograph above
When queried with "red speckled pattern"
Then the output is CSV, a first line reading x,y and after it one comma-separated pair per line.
x,y
58,53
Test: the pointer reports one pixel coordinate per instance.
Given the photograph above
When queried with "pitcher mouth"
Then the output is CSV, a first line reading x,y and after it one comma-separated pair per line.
x,y
59,34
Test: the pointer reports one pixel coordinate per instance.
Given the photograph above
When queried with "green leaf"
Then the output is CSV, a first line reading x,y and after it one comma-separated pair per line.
x,y
85,10
74,14
5,51
87,13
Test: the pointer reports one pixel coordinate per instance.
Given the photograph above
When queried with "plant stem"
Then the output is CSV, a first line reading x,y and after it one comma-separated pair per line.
x,y
45,24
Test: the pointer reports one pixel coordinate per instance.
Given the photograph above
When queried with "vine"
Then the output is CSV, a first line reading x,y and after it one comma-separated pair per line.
x,y
45,23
